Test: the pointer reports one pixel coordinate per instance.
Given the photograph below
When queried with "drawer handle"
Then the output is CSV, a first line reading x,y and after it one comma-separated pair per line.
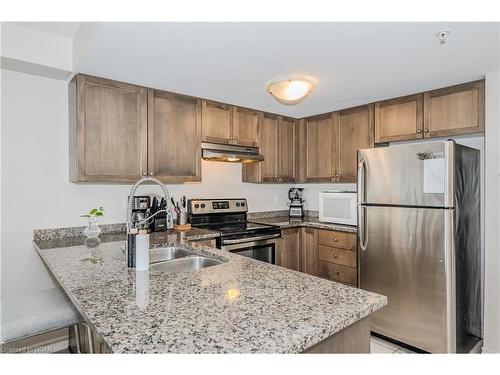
x,y
336,272
335,239
335,256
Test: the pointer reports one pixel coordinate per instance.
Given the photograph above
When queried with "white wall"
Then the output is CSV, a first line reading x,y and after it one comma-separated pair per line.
x,y
492,219
36,192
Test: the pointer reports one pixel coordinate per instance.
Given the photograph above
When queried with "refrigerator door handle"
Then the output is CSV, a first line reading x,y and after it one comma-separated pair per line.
x,y
361,181
451,293
363,234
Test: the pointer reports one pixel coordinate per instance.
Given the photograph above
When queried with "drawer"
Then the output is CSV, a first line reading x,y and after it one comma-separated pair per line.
x,y
338,256
337,239
338,272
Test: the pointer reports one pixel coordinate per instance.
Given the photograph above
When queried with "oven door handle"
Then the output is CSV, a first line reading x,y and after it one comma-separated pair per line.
x,y
250,239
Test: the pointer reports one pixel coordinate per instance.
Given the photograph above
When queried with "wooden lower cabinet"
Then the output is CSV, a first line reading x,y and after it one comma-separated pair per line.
x,y
309,251
324,253
288,249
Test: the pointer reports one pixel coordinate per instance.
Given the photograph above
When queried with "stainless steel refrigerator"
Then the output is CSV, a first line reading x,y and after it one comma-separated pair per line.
x,y
419,243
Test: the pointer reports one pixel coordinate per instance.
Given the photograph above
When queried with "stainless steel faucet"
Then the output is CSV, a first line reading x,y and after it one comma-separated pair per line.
x,y
131,199
132,227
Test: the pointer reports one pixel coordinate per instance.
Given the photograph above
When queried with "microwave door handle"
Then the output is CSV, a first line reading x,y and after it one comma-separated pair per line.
x,y
363,233
361,181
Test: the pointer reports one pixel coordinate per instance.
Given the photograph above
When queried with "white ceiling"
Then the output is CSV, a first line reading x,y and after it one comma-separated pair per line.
x,y
352,63
63,29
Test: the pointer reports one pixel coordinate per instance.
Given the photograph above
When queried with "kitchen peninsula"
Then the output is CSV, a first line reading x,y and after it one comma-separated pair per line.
x,y
238,306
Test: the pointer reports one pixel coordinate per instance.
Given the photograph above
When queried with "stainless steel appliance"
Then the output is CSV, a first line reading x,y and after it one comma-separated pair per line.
x,y
340,207
230,153
238,235
296,204
419,243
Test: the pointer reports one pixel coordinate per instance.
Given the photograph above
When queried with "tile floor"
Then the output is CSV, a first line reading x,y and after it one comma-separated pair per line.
x,y
380,346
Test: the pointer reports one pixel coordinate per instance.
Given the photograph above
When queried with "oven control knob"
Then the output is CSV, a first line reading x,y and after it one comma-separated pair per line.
x,y
237,204
203,205
196,205
242,204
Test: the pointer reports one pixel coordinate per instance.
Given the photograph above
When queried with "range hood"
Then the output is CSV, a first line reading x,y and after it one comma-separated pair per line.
x,y
230,153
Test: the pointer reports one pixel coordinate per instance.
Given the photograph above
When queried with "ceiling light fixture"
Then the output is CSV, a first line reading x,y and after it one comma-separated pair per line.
x,y
291,91
443,36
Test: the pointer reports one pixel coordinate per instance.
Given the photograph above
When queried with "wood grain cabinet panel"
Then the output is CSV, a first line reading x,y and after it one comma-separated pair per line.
x,y
288,249
355,132
286,150
338,239
108,130
309,251
245,126
338,256
338,272
277,142
399,119
174,127
216,122
319,149
454,110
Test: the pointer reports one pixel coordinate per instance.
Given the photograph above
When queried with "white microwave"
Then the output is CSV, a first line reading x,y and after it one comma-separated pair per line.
x,y
338,207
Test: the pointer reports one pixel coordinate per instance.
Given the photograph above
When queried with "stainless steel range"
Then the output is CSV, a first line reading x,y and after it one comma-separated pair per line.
x,y
238,235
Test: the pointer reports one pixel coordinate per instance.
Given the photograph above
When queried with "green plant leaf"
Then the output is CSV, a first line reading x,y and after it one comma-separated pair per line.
x,y
93,211
98,213
86,215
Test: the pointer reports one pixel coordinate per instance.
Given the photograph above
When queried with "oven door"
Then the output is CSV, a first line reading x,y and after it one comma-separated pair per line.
x,y
259,249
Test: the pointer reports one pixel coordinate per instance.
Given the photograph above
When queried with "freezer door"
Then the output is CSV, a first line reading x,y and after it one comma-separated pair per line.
x,y
408,257
409,175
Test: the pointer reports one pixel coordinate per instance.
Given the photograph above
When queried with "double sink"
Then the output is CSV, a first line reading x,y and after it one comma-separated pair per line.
x,y
174,259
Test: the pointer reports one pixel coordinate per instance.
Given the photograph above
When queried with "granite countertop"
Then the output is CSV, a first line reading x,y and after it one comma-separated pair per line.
x,y
306,221
239,306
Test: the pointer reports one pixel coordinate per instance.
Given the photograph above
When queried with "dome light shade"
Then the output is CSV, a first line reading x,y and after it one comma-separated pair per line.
x,y
291,91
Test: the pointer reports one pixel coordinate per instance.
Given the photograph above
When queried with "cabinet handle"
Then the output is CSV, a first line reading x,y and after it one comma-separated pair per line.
x,y
337,175
419,131
426,130
151,174
335,239
235,138
231,137
335,256
143,173
336,272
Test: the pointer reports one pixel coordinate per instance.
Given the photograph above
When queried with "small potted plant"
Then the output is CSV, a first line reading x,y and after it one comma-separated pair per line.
x,y
92,230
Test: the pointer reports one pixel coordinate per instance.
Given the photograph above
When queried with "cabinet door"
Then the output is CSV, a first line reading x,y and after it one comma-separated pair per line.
x,y
286,150
355,131
454,110
174,127
287,249
108,130
245,126
309,251
269,148
216,122
399,119
320,149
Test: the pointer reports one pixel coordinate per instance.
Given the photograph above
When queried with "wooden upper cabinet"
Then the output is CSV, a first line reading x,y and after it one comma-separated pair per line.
x,y
174,128
454,110
108,130
216,122
245,126
277,144
286,150
319,149
355,132
399,119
